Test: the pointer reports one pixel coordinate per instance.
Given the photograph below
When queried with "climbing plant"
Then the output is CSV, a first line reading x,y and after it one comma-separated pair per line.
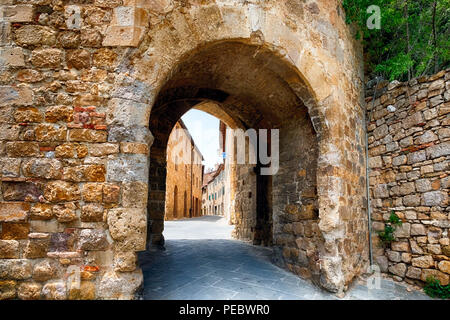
x,y
387,235
413,38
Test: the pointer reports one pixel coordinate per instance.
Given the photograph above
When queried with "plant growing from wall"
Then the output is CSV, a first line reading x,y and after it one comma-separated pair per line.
x,y
387,235
435,289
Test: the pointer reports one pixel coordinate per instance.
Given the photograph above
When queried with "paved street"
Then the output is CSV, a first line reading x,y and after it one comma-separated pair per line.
x,y
201,261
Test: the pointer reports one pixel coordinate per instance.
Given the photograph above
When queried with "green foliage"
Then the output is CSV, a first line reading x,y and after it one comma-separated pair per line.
x,y
387,235
434,289
413,39
394,219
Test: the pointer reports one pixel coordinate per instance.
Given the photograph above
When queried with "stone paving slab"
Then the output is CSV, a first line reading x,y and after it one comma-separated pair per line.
x,y
202,261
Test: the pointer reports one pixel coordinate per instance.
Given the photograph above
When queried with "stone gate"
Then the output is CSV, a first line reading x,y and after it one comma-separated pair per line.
x,y
90,90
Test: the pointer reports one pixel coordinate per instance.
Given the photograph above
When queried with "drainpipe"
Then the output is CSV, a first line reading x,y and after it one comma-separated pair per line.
x,y
369,209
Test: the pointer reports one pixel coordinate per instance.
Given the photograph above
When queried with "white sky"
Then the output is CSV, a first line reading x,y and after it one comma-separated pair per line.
x,y
204,129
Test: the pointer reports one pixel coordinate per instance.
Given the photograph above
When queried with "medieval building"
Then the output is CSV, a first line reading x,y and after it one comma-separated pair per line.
x,y
184,175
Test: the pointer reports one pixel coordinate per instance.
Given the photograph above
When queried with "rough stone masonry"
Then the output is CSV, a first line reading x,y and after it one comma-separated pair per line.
x,y
90,88
409,150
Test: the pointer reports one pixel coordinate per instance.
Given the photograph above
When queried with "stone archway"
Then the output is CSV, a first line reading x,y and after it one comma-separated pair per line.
x,y
234,75
310,62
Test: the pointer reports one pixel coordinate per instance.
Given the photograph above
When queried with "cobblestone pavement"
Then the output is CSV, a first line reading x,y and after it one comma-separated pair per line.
x,y
202,261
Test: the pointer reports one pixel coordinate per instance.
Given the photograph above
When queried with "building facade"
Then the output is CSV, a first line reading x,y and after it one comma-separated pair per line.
x,y
184,175
214,193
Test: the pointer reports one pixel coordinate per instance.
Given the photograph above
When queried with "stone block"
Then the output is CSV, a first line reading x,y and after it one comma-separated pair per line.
x,y
439,150
56,191
14,231
27,114
44,270
418,229
41,211
415,157
91,239
85,291
433,273
46,58
12,57
16,269
423,262
85,173
130,167
42,168
128,228
78,59
435,198
104,58
92,213
55,290
413,120
22,149
29,291
7,289
411,200
111,193
120,286
125,261
17,13
134,194
10,167
414,273
92,192
407,188
423,185
59,113
14,211
128,36
128,113
33,35
134,148
444,266
103,149
15,95
398,269
9,249
403,231
36,248
49,132
87,135
65,212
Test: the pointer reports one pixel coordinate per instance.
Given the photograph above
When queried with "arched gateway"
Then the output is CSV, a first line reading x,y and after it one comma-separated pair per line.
x,y
287,65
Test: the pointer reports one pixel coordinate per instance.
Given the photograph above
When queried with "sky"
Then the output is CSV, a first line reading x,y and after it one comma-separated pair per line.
x,y
204,129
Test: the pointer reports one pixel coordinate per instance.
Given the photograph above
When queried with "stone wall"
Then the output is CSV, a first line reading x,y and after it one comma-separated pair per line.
x,y
297,238
409,147
89,92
